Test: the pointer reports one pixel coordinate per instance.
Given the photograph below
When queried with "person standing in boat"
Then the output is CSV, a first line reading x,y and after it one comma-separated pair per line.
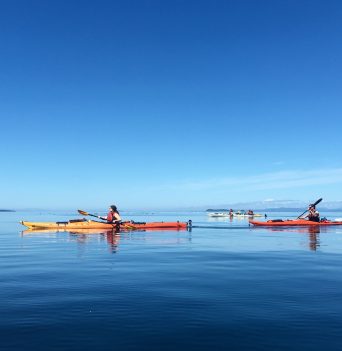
x,y
113,215
313,214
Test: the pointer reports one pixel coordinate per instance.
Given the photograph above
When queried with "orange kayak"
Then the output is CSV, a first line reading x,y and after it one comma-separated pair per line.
x,y
89,224
293,222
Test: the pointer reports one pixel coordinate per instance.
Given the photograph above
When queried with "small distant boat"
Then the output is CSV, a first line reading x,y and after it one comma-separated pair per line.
x,y
246,214
241,213
219,214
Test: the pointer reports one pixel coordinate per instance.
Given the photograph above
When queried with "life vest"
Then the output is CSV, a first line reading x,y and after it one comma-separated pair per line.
x,y
111,217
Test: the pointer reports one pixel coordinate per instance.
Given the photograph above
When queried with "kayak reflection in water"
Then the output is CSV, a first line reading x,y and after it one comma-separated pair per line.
x,y
112,240
314,237
113,216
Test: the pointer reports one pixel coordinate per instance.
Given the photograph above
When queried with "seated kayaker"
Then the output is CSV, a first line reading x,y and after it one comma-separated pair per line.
x,y
313,214
113,215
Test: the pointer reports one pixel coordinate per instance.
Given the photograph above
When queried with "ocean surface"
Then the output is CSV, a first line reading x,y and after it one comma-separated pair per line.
x,y
222,286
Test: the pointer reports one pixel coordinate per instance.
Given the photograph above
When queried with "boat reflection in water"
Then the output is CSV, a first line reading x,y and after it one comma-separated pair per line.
x,y
314,237
112,237
312,231
220,219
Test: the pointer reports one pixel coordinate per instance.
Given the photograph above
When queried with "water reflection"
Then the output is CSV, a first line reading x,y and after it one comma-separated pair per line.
x,y
220,219
112,241
312,232
112,237
314,241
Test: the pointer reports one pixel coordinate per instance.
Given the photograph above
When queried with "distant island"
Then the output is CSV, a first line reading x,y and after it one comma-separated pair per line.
x,y
7,210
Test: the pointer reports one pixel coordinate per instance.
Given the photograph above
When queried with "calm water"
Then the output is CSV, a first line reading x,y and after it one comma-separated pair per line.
x,y
234,288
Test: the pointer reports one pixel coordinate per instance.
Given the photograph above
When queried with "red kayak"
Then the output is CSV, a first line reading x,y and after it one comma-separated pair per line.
x,y
293,222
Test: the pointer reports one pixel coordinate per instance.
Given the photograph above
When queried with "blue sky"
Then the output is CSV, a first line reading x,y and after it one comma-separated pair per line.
x,y
165,104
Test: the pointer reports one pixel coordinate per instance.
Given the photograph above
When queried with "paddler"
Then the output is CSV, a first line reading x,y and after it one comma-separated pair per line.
x,y
113,215
313,214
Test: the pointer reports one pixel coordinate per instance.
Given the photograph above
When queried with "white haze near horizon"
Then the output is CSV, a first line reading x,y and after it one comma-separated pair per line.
x,y
288,188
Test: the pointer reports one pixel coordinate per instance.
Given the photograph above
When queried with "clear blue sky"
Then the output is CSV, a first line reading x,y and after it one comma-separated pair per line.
x,y
155,104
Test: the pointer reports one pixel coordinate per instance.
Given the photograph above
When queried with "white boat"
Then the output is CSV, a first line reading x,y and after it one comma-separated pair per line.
x,y
218,214
245,214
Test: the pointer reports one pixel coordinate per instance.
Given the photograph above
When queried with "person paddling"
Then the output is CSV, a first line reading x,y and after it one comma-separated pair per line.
x,y
313,214
113,215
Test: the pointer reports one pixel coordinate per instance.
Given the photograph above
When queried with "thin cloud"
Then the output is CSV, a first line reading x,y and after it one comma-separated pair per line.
x,y
266,181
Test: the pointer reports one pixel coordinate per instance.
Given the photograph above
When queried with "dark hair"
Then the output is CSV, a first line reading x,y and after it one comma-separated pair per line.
x,y
114,208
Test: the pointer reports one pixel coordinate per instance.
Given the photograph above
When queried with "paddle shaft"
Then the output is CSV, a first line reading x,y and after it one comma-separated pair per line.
x,y
314,204
84,213
89,214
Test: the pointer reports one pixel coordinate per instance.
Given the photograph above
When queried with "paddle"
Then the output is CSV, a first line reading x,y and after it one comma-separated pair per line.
x,y
314,204
84,213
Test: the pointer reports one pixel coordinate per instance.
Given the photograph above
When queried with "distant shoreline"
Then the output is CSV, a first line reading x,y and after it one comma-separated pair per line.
x,y
7,211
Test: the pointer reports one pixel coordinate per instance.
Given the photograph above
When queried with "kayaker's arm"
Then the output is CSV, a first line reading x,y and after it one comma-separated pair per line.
x,y
84,213
114,221
118,220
